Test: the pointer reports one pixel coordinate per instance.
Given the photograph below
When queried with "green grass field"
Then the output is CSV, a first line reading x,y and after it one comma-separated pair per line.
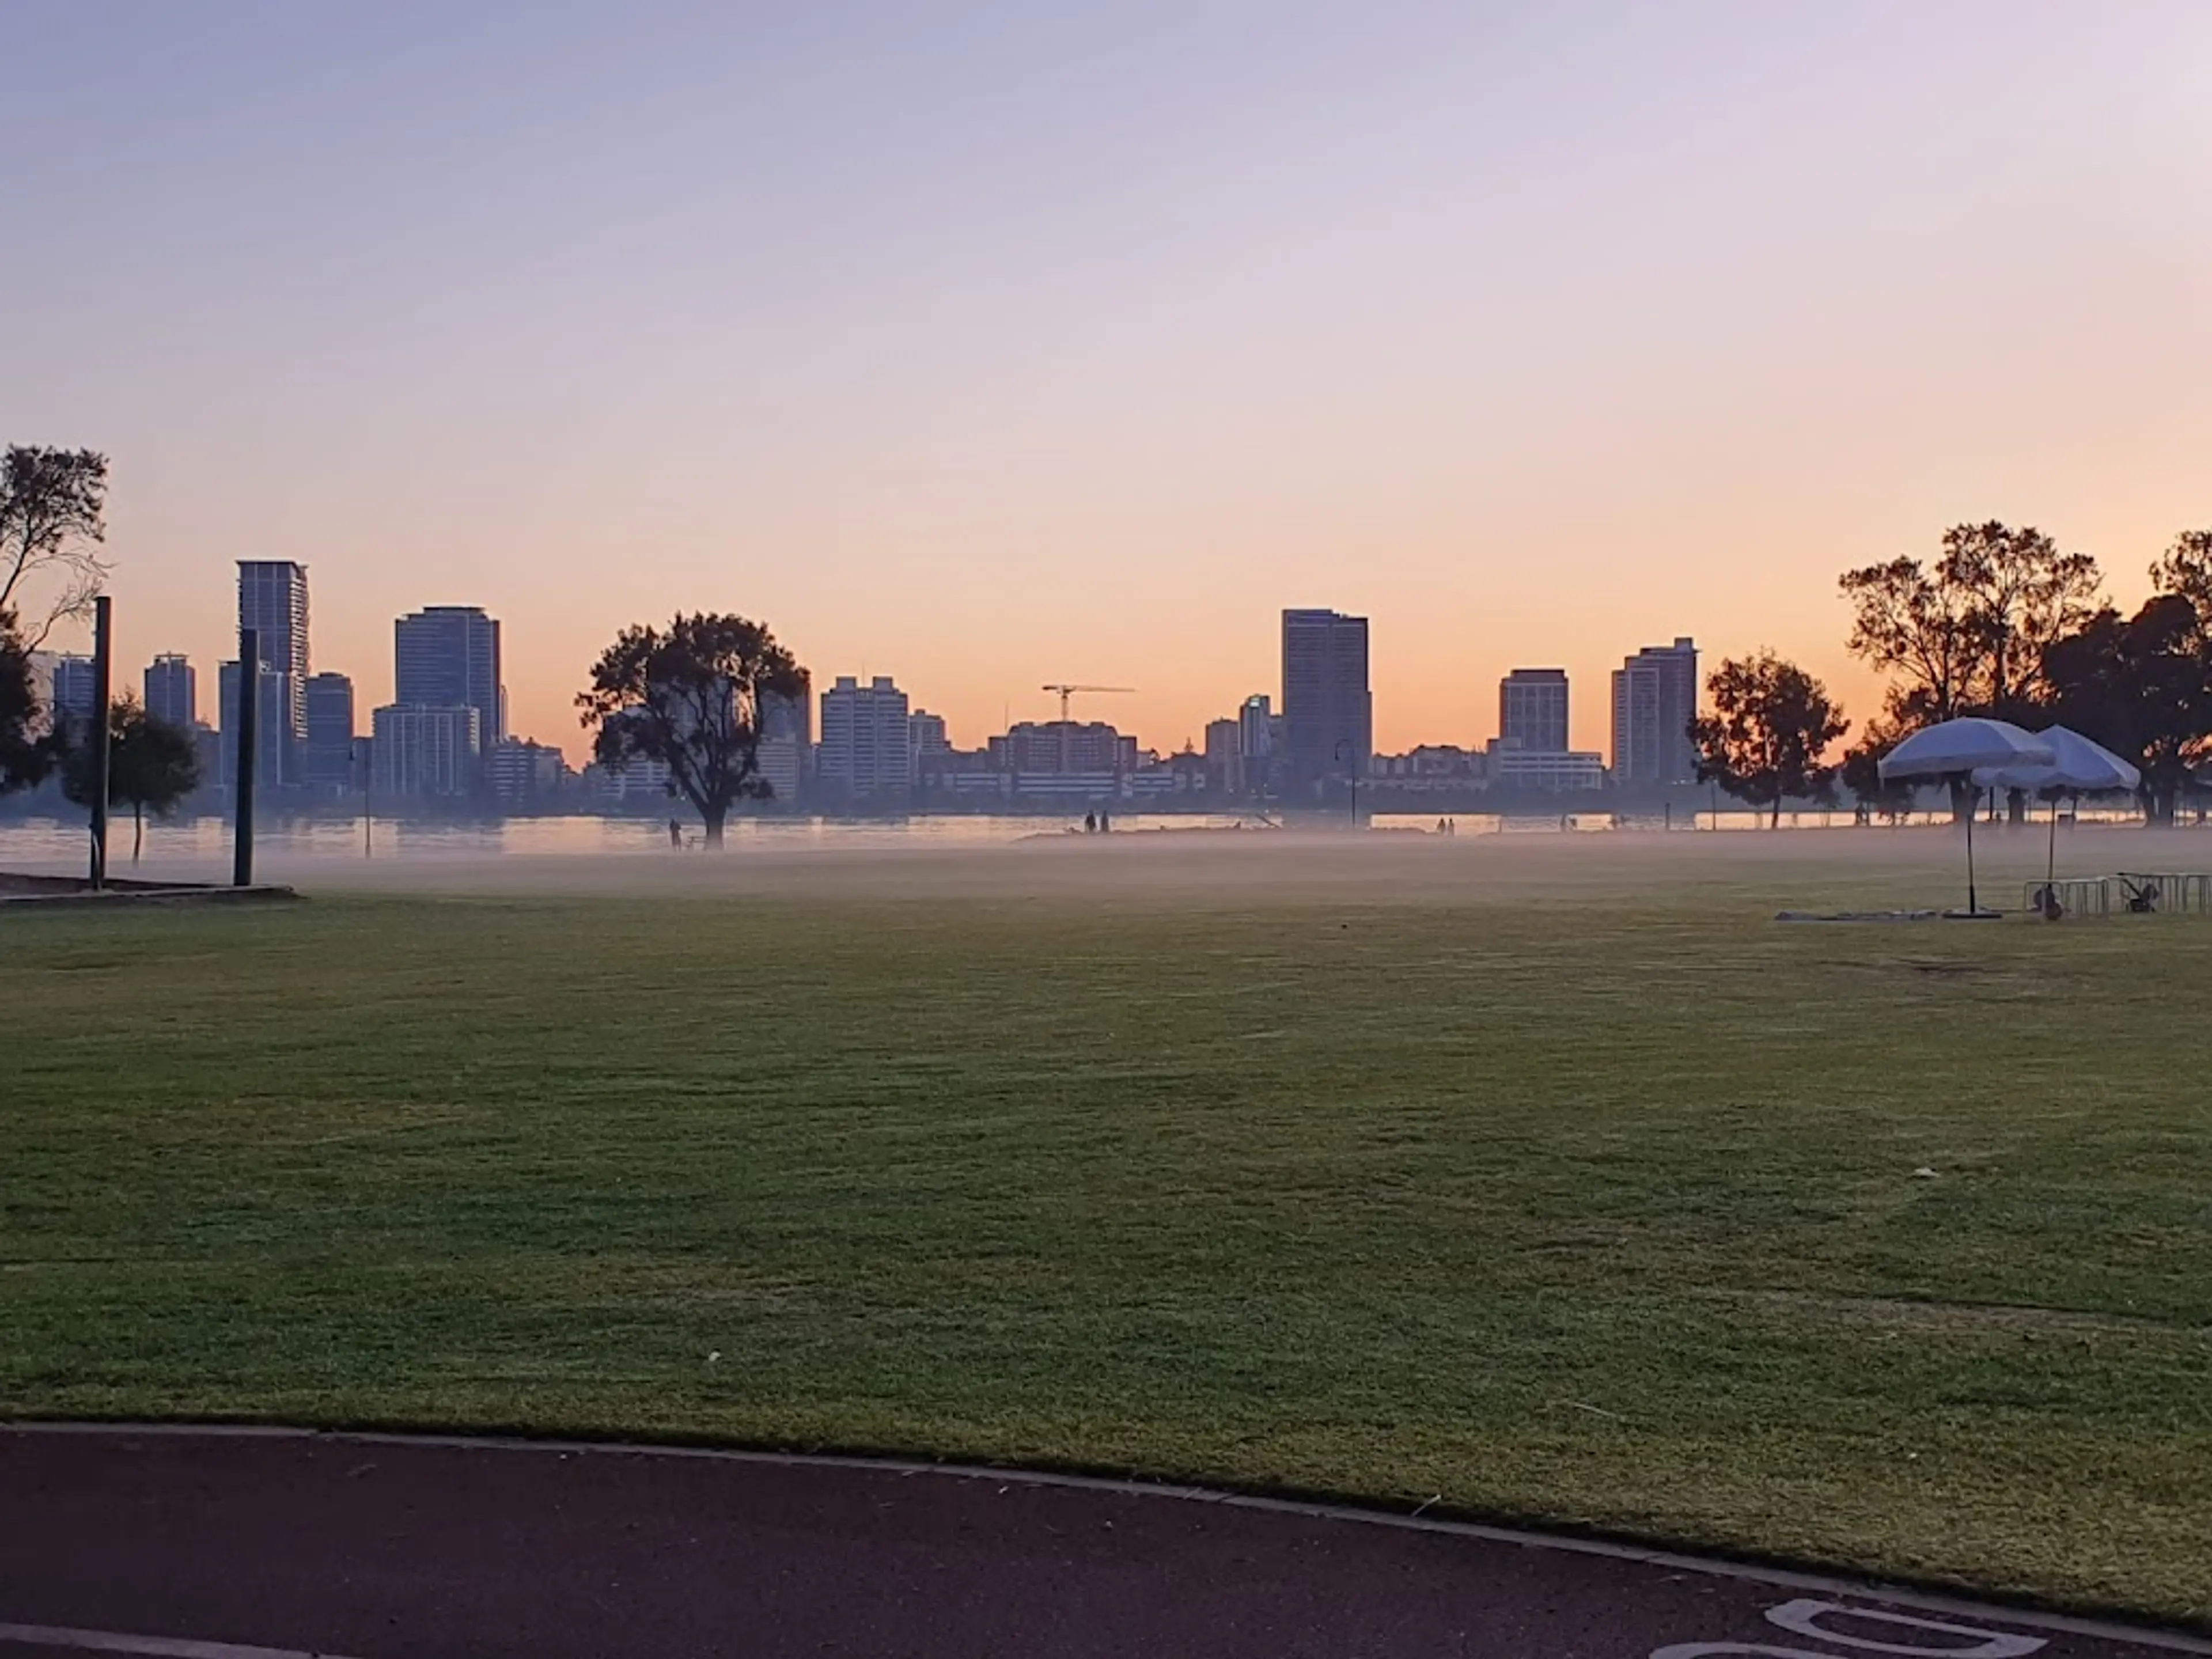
x,y
1578,1195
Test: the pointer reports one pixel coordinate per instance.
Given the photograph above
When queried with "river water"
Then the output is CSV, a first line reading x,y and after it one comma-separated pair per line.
x,y
201,848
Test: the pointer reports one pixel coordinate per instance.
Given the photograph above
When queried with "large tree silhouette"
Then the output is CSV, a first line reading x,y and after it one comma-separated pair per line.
x,y
690,699
2186,568
1966,634
2141,686
26,756
1768,736
52,521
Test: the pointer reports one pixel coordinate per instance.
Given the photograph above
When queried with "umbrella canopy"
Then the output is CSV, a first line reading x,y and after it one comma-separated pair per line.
x,y
1958,748
2077,764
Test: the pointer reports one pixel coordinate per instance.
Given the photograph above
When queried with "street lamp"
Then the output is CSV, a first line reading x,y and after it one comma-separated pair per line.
x,y
1346,757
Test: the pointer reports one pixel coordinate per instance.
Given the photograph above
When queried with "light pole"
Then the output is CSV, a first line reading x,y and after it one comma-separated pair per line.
x,y
103,657
1346,757
247,713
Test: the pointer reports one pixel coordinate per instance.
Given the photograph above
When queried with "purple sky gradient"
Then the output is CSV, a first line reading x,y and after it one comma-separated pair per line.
x,y
989,345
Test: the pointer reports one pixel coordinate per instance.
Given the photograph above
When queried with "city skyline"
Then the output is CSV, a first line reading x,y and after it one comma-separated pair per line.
x,y
1077,357
447,658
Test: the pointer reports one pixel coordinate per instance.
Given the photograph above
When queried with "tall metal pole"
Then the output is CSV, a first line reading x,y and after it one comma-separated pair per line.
x,y
102,666
249,707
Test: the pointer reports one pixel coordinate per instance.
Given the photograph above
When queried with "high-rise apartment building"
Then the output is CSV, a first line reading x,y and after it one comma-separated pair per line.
x,y
788,719
1531,710
326,757
866,744
1256,728
426,754
1654,699
172,692
1328,714
1225,757
785,754
517,773
74,688
447,656
276,750
1063,749
926,736
272,599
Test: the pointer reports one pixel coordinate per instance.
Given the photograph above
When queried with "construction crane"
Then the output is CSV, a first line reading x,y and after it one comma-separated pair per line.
x,y
1067,691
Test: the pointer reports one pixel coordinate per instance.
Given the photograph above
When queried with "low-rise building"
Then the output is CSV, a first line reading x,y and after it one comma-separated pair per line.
x,y
1544,771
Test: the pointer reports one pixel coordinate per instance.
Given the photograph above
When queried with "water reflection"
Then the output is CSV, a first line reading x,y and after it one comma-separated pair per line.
x,y
201,847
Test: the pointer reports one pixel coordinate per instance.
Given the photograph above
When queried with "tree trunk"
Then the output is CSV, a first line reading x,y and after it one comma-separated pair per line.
x,y
1963,800
714,826
2016,807
137,829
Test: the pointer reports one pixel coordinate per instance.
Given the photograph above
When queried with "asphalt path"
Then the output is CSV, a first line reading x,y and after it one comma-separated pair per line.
x,y
274,1544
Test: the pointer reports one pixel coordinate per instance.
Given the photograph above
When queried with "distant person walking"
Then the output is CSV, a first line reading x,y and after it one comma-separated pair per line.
x,y
1090,824
676,834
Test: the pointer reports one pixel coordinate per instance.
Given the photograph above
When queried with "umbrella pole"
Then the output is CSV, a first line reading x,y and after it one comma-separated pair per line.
x,y
2051,865
1973,905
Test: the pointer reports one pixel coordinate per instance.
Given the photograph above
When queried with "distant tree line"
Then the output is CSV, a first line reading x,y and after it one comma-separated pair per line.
x,y
2003,624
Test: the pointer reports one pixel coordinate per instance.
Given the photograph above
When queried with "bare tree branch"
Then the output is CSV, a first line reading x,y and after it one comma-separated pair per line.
x,y
52,522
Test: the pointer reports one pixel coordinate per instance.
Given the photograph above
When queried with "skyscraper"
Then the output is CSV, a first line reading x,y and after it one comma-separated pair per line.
x,y
1654,698
1531,710
1257,728
75,689
1225,755
276,751
1329,714
865,738
172,692
272,599
447,656
785,755
327,757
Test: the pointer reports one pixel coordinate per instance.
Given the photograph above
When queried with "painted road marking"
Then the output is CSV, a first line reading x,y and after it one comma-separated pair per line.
x,y
158,1647
1802,1617
1799,1618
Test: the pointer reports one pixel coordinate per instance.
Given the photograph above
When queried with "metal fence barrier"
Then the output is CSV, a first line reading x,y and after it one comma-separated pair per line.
x,y
2077,895
2147,892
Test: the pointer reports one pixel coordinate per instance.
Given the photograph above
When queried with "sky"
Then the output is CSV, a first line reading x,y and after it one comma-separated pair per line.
x,y
985,344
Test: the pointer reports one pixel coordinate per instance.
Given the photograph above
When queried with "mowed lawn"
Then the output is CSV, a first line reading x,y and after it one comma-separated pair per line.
x,y
1607,1208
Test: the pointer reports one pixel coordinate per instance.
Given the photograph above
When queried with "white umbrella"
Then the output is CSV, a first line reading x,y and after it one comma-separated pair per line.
x,y
2078,766
1959,749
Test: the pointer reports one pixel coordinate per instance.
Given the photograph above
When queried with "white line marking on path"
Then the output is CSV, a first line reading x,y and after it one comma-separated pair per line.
x,y
159,1647
1895,1595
